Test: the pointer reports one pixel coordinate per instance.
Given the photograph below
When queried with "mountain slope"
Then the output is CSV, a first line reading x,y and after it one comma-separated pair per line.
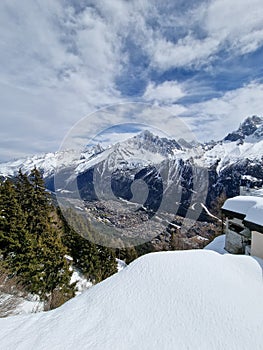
x,y
245,142
247,128
172,300
229,163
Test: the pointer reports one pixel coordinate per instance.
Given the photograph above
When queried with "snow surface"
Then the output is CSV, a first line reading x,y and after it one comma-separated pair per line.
x,y
16,305
82,283
169,300
230,152
121,264
250,206
217,245
258,192
255,214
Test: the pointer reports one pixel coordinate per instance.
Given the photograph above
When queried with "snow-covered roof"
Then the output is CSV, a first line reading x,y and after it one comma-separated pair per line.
x,y
251,207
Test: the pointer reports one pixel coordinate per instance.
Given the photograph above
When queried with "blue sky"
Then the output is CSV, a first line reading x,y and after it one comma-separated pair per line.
x,y
63,59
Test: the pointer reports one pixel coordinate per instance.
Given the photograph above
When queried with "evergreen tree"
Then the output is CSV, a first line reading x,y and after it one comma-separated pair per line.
x,y
108,264
95,262
128,254
13,230
34,239
30,244
35,201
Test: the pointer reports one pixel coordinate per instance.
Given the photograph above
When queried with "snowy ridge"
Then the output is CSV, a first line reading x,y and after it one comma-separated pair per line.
x,y
140,150
46,163
231,152
170,300
244,143
251,125
145,149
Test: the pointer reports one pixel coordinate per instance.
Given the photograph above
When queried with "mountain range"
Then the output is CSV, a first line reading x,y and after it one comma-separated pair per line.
x,y
219,166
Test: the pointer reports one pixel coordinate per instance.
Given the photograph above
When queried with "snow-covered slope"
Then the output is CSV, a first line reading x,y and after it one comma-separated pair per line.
x,y
228,152
224,166
244,143
217,245
47,163
142,149
171,300
146,148
17,305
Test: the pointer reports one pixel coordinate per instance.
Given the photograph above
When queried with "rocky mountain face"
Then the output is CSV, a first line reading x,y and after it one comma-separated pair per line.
x,y
157,164
250,126
238,159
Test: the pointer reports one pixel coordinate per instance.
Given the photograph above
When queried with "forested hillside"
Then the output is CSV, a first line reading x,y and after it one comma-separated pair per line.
x,y
35,241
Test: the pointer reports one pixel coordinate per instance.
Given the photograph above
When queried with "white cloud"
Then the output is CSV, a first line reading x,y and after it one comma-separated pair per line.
x,y
161,120
216,117
233,19
168,91
48,45
187,51
58,64
236,26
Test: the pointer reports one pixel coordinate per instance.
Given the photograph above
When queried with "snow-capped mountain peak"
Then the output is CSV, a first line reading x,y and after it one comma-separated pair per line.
x,y
241,150
91,151
142,149
154,143
249,126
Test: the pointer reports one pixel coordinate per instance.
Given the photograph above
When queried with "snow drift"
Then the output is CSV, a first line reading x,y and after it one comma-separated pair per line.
x,y
170,300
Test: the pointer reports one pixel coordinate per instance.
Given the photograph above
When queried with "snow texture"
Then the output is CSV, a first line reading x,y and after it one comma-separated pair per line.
x,y
169,300
17,305
121,264
82,283
217,245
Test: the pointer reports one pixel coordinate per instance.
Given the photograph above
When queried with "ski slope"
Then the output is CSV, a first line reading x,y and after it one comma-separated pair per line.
x,y
169,300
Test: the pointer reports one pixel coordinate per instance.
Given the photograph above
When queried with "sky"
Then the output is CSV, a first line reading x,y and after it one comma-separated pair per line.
x,y
62,60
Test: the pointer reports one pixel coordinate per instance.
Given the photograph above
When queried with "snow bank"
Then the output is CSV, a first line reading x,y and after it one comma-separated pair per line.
x,y
121,264
170,300
17,305
82,283
217,245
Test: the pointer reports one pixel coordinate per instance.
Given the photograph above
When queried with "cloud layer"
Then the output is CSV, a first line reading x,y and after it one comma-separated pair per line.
x,y
61,60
